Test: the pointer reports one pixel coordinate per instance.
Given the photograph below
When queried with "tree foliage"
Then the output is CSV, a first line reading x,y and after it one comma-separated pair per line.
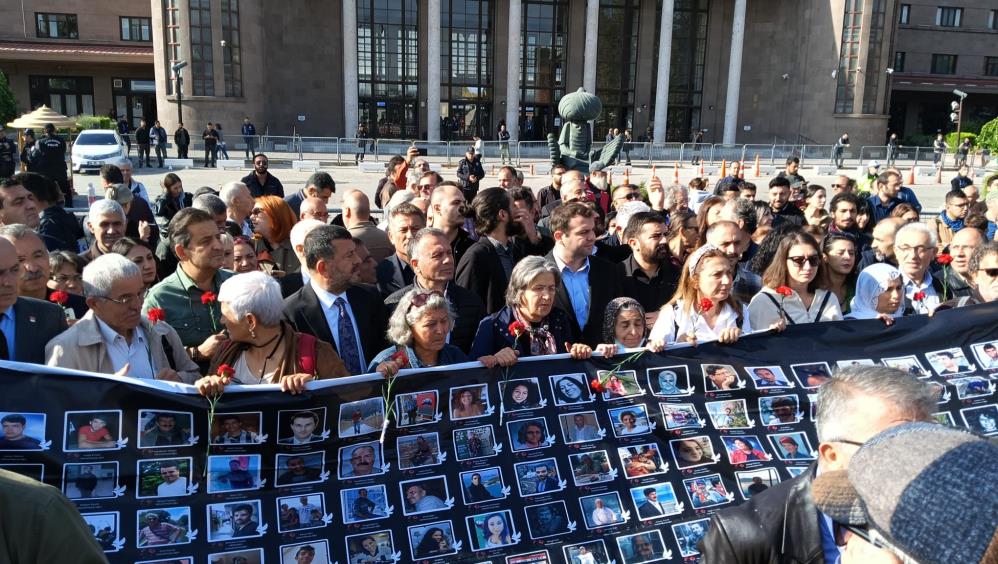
x,y
988,138
8,107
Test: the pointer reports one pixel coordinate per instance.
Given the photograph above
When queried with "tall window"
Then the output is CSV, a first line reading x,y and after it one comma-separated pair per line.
x,y
852,31
171,17
56,26
899,61
943,64
202,69
993,19
68,95
904,14
616,64
136,29
466,62
231,62
689,52
542,49
990,66
948,17
874,70
388,66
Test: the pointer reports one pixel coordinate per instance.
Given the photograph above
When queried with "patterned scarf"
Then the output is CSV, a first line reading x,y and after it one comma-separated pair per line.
x,y
541,341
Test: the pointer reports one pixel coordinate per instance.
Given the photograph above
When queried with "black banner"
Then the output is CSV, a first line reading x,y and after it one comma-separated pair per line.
x,y
521,466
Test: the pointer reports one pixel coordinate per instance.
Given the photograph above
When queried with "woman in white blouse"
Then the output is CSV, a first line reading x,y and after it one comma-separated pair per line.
x,y
796,265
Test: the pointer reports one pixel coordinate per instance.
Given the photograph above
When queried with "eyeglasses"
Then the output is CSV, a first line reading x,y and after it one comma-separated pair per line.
x,y
992,272
419,300
812,260
838,185
918,249
128,298
256,211
841,535
62,278
630,196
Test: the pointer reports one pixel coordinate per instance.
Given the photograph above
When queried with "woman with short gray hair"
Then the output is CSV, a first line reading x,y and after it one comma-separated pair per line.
x,y
418,332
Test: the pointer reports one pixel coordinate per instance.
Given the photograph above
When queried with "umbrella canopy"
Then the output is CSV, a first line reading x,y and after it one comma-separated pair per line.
x,y
38,118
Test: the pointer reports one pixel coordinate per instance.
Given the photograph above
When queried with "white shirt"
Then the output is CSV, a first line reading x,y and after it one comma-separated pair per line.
x,y
332,314
170,490
136,354
671,317
604,516
911,288
763,312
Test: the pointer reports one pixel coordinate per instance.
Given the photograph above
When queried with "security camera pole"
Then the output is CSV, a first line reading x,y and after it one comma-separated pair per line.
x,y
177,67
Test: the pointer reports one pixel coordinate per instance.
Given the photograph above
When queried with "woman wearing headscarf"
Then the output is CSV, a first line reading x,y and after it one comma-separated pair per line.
x,y
879,294
624,326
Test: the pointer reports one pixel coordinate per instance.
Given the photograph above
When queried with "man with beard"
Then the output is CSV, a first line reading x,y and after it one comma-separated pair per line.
x,y
882,246
844,209
449,211
784,211
297,472
243,524
727,236
600,185
551,193
505,236
106,221
649,275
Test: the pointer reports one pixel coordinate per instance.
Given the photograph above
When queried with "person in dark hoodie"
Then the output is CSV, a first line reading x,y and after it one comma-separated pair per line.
x,y
59,229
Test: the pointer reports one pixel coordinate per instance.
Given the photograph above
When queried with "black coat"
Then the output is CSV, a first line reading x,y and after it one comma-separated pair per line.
x,y
35,324
181,137
393,275
481,272
166,207
465,169
493,333
60,229
606,282
467,306
303,310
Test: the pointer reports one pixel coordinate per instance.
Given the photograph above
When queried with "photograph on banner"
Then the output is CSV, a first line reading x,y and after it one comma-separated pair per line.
x,y
728,414
792,446
941,392
579,427
680,416
591,551
361,460
431,540
297,469
91,430
643,460
424,495
474,442
104,526
492,530
909,364
416,408
537,477
164,429
655,500
745,448
536,557
751,482
233,473
693,451
22,431
590,467
944,418
987,355
780,410
794,471
241,428
982,419
312,551
528,434
33,471
418,451
520,394
619,385
372,547
90,480
768,377
812,402
602,510
642,547
362,417
570,389
720,378
707,491
483,485
547,519
949,362
301,427
364,504
811,375
234,520
161,527
855,362
243,556
305,511
164,477
629,420
669,381
467,402
688,535
973,387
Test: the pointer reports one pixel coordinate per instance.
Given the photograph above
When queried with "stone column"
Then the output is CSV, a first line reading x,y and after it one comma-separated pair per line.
x,y
350,103
513,70
433,70
664,68
734,74
592,34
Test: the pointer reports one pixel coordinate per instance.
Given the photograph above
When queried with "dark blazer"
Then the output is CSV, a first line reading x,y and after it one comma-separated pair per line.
x,y
467,306
493,333
937,285
60,229
35,323
166,207
606,282
295,200
777,526
303,310
393,275
291,283
481,272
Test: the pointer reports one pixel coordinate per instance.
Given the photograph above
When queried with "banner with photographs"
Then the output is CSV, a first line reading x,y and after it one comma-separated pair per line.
x,y
521,466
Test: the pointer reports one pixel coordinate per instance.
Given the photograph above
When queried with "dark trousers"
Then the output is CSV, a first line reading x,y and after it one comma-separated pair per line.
x,y
144,154
160,153
182,151
210,154
250,147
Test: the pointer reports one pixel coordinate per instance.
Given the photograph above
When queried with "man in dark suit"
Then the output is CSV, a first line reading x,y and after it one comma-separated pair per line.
x,y
26,324
449,210
651,506
319,185
588,283
505,236
395,272
332,306
433,262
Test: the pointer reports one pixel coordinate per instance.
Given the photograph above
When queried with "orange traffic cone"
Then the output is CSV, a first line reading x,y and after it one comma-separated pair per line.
x,y
911,176
724,168
758,171
627,176
701,168
675,174
741,170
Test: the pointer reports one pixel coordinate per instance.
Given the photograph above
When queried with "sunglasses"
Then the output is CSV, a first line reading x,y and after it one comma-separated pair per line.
x,y
992,272
419,300
631,196
813,260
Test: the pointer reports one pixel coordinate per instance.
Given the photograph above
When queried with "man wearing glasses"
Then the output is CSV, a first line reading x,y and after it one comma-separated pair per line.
x,y
26,324
915,249
260,182
114,337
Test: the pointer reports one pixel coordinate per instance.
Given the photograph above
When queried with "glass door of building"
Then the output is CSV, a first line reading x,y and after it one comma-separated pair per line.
x,y
390,119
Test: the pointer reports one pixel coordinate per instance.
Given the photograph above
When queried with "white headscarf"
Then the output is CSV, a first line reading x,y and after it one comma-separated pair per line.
x,y
873,281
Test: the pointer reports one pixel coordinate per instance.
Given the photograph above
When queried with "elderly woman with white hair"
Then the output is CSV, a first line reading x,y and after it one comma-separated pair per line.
x,y
261,347
113,337
418,330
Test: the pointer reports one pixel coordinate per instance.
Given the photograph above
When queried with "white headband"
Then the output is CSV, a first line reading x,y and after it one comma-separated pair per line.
x,y
698,254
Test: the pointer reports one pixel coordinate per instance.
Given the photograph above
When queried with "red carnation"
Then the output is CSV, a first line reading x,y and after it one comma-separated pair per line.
x,y
784,291
226,372
944,258
516,329
209,298
706,305
596,385
59,297
400,358
155,315
919,296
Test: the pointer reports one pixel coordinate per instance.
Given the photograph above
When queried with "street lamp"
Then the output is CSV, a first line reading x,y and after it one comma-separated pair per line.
x,y
177,67
957,114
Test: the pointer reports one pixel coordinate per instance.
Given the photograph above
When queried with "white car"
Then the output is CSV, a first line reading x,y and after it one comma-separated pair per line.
x,y
94,148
